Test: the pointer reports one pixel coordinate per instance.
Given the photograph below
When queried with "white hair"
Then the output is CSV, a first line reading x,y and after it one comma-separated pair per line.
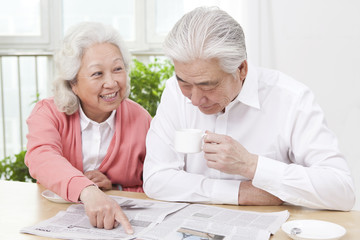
x,y
207,33
68,60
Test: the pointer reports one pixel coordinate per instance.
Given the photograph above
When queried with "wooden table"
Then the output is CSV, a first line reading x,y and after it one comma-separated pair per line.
x,y
21,205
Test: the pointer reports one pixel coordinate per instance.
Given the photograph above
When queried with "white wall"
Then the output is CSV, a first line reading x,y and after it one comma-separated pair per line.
x,y
318,43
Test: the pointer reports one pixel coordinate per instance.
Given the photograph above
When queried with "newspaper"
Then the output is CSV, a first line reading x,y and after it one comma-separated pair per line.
x,y
74,223
198,221
153,220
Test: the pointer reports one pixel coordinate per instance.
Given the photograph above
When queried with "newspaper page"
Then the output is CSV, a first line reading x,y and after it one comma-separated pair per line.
x,y
204,222
74,223
153,220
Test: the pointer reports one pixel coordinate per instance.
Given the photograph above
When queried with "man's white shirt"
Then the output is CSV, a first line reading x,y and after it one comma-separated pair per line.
x,y
276,118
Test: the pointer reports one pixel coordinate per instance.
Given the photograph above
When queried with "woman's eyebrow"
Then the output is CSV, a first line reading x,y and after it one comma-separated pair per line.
x,y
118,59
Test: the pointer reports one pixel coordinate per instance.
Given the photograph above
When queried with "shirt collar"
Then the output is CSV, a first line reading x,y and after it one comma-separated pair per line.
x,y
249,93
85,121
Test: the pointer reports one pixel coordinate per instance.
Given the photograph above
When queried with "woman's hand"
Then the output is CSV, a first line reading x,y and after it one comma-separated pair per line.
x,y
103,211
99,179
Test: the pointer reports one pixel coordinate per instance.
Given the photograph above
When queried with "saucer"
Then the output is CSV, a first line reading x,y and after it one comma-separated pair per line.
x,y
51,196
313,229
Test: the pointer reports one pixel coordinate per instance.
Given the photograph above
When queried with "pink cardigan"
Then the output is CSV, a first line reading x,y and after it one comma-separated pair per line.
x,y
54,151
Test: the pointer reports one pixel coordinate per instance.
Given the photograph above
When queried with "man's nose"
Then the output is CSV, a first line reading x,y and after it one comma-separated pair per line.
x,y
196,96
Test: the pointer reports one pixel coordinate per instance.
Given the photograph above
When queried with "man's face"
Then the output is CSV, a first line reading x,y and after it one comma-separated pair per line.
x,y
207,85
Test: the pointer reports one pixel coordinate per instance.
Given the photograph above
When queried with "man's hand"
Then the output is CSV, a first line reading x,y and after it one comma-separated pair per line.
x,y
229,156
103,211
250,195
99,179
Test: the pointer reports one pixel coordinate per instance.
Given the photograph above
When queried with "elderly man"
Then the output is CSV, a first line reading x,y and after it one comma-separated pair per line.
x,y
267,142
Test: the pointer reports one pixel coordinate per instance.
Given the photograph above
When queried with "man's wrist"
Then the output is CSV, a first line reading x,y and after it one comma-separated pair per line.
x,y
251,168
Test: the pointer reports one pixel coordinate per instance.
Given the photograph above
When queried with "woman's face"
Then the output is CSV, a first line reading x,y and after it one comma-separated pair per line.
x,y
101,81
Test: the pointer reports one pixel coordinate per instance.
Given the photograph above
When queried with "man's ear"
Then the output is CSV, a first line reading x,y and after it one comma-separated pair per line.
x,y
243,70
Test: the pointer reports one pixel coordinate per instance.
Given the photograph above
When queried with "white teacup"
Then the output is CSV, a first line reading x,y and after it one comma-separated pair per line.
x,y
189,140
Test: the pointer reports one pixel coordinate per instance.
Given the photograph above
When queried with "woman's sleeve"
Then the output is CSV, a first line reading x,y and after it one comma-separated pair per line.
x,y
45,158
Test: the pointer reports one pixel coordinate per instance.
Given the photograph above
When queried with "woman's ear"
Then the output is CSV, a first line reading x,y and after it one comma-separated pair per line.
x,y
74,86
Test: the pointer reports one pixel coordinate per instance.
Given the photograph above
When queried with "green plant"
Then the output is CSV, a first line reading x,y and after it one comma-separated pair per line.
x,y
13,168
148,82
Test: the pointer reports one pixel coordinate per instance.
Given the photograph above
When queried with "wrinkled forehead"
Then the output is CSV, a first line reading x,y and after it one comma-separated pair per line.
x,y
198,70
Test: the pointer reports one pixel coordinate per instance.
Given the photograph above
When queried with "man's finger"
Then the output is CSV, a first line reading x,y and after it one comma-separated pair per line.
x,y
213,137
211,164
211,147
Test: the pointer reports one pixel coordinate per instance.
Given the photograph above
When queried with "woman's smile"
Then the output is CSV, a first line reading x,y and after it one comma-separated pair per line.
x,y
109,97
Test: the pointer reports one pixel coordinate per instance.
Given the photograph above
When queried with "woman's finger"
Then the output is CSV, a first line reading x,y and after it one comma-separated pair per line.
x,y
124,221
109,220
100,220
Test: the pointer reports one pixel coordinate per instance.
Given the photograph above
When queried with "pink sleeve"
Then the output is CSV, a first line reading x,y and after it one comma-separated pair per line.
x,y
44,156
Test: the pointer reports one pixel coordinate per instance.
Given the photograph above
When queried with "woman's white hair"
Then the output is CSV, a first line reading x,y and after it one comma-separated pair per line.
x,y
68,60
207,33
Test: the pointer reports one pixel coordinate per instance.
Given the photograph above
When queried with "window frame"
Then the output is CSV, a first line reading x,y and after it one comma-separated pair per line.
x,y
52,30
34,42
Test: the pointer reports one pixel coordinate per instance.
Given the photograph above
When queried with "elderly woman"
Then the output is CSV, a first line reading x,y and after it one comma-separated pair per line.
x,y
89,136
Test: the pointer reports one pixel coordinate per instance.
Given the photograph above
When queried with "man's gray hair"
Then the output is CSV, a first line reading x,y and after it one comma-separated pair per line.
x,y
68,60
207,33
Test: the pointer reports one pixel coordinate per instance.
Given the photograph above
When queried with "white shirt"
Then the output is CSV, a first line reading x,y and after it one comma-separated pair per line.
x,y
276,118
96,138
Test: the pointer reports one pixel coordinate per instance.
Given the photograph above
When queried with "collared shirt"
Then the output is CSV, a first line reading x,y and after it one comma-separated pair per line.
x,y
273,116
96,138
